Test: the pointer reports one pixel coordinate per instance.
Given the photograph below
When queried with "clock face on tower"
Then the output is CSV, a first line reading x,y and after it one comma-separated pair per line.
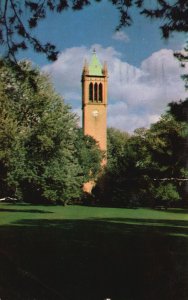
x,y
95,113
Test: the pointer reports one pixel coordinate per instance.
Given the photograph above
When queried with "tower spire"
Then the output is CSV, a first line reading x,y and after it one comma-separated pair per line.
x,y
95,67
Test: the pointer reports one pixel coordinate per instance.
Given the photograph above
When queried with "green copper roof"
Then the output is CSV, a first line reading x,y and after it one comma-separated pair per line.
x,y
95,67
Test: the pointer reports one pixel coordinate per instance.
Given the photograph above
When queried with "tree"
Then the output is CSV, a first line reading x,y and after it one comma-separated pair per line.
x,y
167,166
16,28
183,58
150,167
179,110
116,141
89,156
9,138
119,184
40,158
165,194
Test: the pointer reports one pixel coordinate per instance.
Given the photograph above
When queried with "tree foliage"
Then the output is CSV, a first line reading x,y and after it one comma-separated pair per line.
x,y
89,156
148,167
16,26
182,56
116,141
40,156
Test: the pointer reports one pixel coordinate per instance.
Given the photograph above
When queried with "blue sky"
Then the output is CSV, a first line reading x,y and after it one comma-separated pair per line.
x,y
143,74
96,24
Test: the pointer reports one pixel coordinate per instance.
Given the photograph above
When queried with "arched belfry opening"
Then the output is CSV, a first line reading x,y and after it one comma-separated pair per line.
x,y
100,92
94,101
91,91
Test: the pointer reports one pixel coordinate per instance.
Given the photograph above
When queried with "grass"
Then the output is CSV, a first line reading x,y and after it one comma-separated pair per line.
x,y
88,253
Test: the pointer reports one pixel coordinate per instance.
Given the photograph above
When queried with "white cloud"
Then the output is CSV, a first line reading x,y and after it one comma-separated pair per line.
x,y
66,72
154,84
120,116
121,36
137,96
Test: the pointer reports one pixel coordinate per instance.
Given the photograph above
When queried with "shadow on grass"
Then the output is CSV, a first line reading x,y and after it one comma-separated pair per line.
x,y
177,211
123,259
39,211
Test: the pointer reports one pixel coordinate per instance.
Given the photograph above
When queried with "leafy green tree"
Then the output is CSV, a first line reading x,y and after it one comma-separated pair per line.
x,y
89,156
149,167
43,162
179,110
116,141
8,138
134,170
115,187
180,113
164,143
164,140
164,194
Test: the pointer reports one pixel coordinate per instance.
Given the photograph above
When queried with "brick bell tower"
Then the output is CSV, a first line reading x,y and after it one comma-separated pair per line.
x,y
94,104
94,101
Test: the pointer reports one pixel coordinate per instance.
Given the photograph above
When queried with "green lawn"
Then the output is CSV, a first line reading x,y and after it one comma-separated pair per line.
x,y
88,253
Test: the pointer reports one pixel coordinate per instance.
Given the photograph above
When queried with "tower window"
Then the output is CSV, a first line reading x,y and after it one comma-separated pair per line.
x,y
100,92
91,91
95,91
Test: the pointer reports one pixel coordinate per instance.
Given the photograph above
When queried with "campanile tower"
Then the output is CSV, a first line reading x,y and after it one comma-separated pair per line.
x,y
94,101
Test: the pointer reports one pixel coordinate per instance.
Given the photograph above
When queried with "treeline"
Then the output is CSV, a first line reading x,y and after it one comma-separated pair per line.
x,y
44,156
148,168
